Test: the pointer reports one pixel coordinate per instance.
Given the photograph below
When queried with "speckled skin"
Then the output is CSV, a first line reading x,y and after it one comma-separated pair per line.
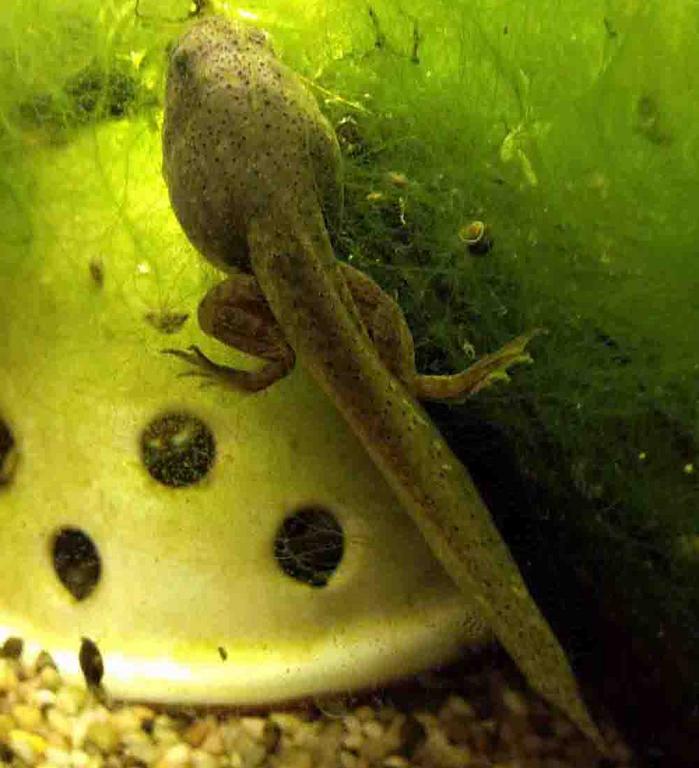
x,y
252,166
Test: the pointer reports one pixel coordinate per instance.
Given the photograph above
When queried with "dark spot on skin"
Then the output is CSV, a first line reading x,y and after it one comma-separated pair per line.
x,y
91,662
223,653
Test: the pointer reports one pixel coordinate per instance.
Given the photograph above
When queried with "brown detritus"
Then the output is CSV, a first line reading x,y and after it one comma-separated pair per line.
x,y
167,322
12,648
91,662
96,267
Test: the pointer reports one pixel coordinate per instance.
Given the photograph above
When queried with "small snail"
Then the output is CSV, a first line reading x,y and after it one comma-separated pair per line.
x,y
477,237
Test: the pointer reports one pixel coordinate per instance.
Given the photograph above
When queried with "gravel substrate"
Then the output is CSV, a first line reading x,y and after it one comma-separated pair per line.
x,y
490,723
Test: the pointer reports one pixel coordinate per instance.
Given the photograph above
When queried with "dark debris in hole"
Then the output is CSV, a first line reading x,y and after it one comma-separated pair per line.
x,y
178,449
309,545
76,562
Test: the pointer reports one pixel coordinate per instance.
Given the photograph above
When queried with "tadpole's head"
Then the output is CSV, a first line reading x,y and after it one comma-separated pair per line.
x,y
208,56
209,49
209,67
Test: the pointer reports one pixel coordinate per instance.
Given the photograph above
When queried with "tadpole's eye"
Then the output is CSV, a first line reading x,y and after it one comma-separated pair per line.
x,y
181,62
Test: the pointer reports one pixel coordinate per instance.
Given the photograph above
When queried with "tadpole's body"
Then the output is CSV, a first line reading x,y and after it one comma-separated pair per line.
x,y
253,171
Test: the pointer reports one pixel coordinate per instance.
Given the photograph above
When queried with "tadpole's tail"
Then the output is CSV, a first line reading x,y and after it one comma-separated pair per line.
x,y
296,269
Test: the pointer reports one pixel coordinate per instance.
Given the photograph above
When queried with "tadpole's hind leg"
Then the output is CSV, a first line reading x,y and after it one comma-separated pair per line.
x,y
236,313
487,370
385,324
389,332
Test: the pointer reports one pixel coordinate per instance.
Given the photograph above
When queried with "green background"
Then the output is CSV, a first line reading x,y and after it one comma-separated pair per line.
x,y
572,130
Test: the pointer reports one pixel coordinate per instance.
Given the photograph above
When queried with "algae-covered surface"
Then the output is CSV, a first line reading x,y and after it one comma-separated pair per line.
x,y
572,131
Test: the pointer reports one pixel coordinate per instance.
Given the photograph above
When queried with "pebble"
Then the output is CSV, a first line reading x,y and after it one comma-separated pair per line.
x,y
43,660
289,723
80,759
201,759
8,676
352,724
49,678
69,700
162,727
213,743
297,758
396,761
139,746
457,705
59,722
372,729
364,713
165,735
374,750
27,717
255,726
353,741
144,713
46,724
238,741
271,736
177,756
103,735
514,701
413,735
58,757
126,720
325,743
42,697
6,725
197,731
27,746
348,759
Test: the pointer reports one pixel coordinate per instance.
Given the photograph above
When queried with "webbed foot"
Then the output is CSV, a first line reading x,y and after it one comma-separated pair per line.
x,y
238,380
206,369
488,370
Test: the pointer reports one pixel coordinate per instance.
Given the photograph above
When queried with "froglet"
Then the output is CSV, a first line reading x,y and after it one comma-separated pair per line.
x,y
253,171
